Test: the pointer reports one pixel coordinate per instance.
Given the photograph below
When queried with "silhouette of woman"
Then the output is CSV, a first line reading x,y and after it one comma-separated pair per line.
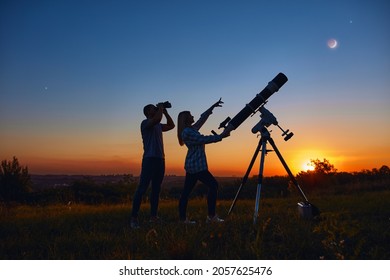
x,y
196,162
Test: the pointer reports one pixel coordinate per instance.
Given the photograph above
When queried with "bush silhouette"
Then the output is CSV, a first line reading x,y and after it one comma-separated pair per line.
x,y
15,181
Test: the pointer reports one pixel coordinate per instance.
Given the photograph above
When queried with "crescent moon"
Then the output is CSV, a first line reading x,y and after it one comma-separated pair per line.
x,y
332,43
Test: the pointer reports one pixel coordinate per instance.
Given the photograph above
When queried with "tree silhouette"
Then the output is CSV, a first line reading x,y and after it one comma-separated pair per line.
x,y
323,167
384,170
15,181
320,178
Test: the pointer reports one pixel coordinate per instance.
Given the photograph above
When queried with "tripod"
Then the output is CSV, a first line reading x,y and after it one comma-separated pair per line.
x,y
262,145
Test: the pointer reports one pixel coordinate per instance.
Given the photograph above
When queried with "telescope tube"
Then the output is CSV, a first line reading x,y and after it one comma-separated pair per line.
x,y
272,87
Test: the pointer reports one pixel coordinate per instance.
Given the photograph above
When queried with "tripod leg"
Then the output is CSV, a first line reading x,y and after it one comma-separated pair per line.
x,y
287,169
260,180
245,178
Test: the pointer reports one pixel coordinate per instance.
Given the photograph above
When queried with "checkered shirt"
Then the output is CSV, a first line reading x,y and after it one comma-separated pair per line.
x,y
196,157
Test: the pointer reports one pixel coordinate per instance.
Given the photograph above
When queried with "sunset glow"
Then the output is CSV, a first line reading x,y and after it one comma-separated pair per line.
x,y
74,80
307,166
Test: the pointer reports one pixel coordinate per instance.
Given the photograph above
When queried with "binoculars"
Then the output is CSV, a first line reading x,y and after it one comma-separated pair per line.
x,y
165,104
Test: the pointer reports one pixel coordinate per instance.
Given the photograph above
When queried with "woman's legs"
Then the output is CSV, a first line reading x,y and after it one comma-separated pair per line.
x,y
208,179
189,184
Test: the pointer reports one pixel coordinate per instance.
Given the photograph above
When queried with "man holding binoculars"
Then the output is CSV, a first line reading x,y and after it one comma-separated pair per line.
x,y
153,161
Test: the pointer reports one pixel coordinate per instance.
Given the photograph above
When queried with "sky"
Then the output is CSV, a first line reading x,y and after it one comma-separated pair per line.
x,y
75,76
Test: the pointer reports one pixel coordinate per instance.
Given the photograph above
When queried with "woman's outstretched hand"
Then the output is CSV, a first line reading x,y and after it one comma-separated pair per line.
x,y
218,103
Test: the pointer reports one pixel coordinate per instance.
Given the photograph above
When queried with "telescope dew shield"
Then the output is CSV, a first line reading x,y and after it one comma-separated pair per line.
x,y
272,87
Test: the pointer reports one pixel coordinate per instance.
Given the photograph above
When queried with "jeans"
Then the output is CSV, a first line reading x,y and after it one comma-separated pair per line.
x,y
153,170
206,178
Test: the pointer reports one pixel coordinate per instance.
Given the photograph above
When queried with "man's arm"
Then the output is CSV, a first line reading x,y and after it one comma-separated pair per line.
x,y
170,124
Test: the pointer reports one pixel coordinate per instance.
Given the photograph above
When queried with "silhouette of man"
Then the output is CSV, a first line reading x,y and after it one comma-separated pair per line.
x,y
153,161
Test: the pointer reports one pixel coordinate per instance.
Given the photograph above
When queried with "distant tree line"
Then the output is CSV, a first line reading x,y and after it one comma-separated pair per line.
x,y
325,179
16,186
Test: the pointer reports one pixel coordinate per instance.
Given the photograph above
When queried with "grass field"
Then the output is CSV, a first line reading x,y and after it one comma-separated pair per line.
x,y
355,226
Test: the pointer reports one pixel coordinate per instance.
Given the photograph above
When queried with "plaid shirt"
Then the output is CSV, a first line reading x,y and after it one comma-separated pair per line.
x,y
196,157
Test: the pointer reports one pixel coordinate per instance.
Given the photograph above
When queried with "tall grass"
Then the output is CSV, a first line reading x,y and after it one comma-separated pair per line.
x,y
350,227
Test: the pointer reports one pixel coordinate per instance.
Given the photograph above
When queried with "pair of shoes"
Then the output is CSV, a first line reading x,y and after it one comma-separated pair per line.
x,y
134,223
188,222
214,219
155,220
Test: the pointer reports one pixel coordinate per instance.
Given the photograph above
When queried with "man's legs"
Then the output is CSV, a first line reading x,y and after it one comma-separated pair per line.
x,y
145,177
157,178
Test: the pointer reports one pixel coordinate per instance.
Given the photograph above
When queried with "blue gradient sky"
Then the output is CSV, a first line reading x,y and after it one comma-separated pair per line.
x,y
75,75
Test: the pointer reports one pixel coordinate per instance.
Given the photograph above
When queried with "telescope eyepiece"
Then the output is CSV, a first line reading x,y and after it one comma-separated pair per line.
x,y
223,124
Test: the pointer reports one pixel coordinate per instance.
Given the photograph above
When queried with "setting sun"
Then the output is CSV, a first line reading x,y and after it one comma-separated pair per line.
x,y
307,166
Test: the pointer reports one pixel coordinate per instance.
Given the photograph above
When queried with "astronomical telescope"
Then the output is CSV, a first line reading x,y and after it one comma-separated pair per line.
x,y
306,209
259,100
